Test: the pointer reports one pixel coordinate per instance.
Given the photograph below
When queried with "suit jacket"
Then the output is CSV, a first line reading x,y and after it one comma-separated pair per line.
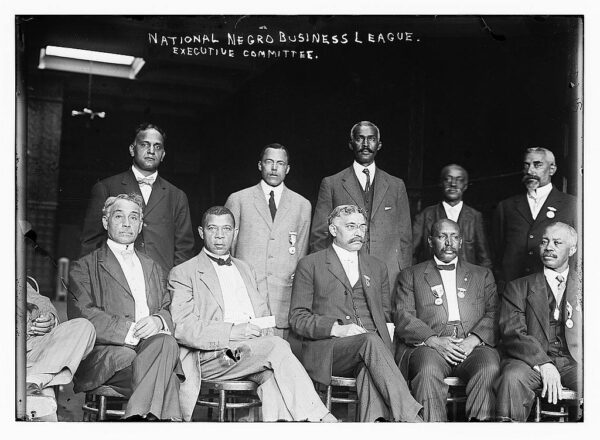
x,y
265,244
98,291
474,250
417,317
198,311
525,319
318,296
38,305
167,235
389,225
517,235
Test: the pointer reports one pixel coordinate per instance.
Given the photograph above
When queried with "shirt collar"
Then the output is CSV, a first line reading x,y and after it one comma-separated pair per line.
x,y
543,191
222,257
437,261
551,275
456,207
344,254
118,248
139,175
277,190
358,169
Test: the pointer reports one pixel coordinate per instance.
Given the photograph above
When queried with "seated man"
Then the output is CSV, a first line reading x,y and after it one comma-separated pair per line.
x,y
214,299
123,293
541,329
54,352
445,326
338,313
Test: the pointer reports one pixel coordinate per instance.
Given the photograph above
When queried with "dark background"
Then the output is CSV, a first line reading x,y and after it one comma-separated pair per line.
x,y
473,90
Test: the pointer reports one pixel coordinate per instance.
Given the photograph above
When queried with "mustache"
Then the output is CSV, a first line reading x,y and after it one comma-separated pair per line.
x,y
527,177
450,248
356,240
363,149
550,254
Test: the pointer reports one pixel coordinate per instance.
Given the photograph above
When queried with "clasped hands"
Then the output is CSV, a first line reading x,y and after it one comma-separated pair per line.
x,y
42,324
453,350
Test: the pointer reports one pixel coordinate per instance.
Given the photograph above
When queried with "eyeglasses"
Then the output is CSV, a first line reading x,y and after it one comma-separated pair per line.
x,y
352,227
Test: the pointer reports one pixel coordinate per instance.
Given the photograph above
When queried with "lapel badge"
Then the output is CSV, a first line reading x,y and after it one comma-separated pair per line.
x,y
438,292
367,280
569,323
461,292
292,239
551,212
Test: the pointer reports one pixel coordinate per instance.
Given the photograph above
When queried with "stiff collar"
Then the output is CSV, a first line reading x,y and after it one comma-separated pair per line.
x,y
138,175
343,254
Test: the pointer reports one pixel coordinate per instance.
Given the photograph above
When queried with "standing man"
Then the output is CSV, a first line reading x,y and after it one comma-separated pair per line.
x,y
445,326
273,224
338,320
167,236
123,293
217,309
541,329
454,181
381,196
520,220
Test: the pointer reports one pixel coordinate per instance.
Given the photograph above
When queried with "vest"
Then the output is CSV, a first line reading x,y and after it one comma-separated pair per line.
x,y
359,309
556,334
368,201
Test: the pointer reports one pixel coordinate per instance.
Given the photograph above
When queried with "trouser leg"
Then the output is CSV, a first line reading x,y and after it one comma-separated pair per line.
x,y
515,390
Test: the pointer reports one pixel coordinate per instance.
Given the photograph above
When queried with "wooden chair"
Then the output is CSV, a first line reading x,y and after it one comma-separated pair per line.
x,y
97,401
230,395
347,395
560,410
456,394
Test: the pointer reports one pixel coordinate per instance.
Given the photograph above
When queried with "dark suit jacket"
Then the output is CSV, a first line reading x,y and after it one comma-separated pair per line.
x,y
318,296
516,235
167,235
390,231
98,291
525,319
474,250
417,317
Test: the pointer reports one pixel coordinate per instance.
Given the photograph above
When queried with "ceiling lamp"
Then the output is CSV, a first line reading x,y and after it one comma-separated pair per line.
x,y
90,62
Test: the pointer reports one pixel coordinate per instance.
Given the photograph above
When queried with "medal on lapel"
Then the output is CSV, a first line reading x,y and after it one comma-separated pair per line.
x,y
292,238
461,292
551,212
367,281
569,321
438,292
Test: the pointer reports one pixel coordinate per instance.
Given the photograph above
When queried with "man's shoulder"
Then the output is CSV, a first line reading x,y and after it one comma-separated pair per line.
x,y
187,266
116,178
416,269
339,175
169,186
428,211
315,258
243,194
471,210
389,177
297,198
475,269
522,284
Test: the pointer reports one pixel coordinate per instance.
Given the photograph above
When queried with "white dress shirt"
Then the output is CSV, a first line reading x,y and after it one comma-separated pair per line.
x,y
537,198
145,189
449,282
277,190
452,212
236,301
349,262
553,282
362,177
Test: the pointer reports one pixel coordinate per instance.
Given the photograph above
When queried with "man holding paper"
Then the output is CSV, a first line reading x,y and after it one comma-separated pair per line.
x,y
225,328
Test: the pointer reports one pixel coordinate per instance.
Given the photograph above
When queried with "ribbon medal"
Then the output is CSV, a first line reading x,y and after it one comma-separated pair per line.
x,y
292,238
461,292
367,280
569,321
438,292
551,212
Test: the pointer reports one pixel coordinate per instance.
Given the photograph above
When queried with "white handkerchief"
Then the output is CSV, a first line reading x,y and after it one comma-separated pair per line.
x,y
130,339
264,322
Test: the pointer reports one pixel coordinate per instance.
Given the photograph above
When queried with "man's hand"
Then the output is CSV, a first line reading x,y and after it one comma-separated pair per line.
x,y
42,324
343,331
147,326
469,344
448,347
240,332
551,382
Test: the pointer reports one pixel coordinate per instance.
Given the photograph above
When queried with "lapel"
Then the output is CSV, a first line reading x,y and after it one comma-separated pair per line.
x,y
433,278
381,187
554,200
352,187
573,295
130,184
260,203
284,206
538,298
152,300
206,274
109,263
159,191
463,278
441,213
334,265
465,216
522,207
367,282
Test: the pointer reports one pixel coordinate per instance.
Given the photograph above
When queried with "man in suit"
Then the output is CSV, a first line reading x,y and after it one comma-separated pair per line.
x,y
520,220
338,320
167,236
541,329
381,196
445,326
454,181
217,309
123,293
273,223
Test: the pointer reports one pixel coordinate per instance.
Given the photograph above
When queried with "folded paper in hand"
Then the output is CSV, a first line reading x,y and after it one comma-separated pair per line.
x,y
264,322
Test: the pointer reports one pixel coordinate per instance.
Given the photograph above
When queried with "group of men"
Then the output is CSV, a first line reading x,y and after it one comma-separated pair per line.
x,y
255,304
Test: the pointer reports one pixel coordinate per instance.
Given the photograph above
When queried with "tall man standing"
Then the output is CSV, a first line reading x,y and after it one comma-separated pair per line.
x,y
167,236
338,314
445,326
381,196
273,224
123,294
454,181
541,324
520,220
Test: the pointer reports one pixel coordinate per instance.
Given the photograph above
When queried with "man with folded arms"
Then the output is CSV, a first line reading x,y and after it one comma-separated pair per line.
x,y
445,326
225,328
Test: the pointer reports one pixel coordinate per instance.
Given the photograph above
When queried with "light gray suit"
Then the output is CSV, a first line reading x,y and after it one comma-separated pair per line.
x,y
265,244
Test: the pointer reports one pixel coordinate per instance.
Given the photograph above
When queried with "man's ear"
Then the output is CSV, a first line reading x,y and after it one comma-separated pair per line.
x,y
332,230
572,250
163,156
553,169
430,242
132,150
105,222
260,166
201,232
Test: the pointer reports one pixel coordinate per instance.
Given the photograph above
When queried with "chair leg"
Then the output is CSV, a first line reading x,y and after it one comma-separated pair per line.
x,y
538,409
209,411
101,405
328,397
222,405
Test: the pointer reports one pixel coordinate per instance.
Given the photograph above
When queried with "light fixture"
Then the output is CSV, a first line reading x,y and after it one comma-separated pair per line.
x,y
90,62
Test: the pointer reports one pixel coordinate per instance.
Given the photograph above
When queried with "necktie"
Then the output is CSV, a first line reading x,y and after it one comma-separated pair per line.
x,y
146,181
560,290
220,261
272,206
445,266
368,184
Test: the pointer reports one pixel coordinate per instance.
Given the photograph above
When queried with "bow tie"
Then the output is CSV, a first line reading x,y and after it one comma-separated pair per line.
x,y
146,181
445,266
129,251
220,261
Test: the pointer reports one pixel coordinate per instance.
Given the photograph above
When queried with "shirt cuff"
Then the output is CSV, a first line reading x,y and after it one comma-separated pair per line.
x,y
165,327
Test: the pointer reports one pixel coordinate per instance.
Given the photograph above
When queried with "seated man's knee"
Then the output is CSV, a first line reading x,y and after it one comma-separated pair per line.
x,y
427,362
372,339
278,343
